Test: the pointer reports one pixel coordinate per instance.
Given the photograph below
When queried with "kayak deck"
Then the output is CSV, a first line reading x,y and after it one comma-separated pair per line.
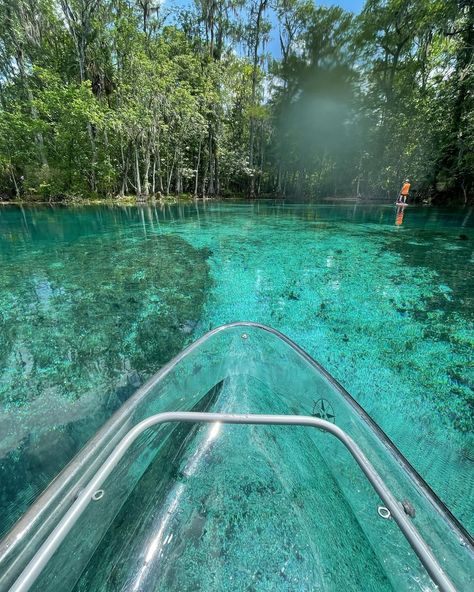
x,y
241,507
226,521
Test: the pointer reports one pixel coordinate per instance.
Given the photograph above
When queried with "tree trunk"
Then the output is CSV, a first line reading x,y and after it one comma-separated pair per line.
x,y
138,183
158,162
210,188
197,170
216,170
146,182
153,176
179,181
262,155
261,8
17,189
34,112
124,172
170,173
79,23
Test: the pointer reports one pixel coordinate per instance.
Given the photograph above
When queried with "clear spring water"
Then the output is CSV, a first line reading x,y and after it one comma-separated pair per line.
x,y
94,300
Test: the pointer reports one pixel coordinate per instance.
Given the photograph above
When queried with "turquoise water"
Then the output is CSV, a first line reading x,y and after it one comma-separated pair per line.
x,y
198,514
95,300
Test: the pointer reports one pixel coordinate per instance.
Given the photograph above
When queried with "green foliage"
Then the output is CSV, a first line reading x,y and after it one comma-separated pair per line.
x,y
412,72
108,98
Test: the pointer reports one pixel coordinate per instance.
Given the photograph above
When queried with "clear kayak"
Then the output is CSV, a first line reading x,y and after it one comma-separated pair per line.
x,y
241,465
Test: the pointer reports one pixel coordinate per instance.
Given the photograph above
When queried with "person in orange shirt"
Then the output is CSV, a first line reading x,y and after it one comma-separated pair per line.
x,y
402,198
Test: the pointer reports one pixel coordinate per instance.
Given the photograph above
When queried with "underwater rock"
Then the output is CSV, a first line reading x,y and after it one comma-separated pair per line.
x,y
207,252
187,327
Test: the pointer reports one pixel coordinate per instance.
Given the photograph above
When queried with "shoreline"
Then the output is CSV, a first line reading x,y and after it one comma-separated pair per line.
x,y
132,200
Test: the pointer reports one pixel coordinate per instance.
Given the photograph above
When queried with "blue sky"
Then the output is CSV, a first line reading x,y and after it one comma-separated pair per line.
x,y
273,46
353,5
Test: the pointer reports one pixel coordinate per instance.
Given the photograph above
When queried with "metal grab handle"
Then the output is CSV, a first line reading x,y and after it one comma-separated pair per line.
x,y
34,568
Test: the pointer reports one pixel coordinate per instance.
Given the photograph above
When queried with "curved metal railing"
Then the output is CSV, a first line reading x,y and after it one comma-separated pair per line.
x,y
33,570
446,536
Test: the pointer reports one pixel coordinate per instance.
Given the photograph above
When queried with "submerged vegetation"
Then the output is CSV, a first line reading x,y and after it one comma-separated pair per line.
x,y
75,345
108,98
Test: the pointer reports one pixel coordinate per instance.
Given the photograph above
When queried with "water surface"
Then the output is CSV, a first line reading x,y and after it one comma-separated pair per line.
x,y
94,300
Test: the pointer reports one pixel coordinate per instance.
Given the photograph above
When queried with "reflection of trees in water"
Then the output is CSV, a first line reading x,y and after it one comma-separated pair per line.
x,y
24,224
79,334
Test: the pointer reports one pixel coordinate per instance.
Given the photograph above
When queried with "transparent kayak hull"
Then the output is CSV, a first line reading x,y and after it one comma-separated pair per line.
x,y
218,506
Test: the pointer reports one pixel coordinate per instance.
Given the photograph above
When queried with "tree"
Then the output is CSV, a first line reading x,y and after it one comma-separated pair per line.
x,y
255,36
111,97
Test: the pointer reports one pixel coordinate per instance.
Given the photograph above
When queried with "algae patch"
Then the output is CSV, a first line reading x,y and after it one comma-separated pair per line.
x,y
82,326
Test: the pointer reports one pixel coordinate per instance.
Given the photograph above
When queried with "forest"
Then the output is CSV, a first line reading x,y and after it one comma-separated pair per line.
x,y
236,98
